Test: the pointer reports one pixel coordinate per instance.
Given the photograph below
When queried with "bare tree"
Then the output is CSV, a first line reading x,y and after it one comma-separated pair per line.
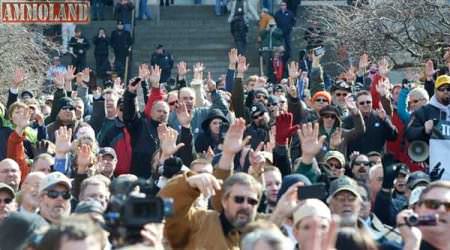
x,y
22,47
406,31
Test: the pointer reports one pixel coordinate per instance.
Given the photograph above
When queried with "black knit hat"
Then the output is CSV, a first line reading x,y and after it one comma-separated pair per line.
x,y
65,102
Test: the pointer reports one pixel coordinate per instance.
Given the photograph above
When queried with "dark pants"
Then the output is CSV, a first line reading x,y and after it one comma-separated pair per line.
x,y
79,62
101,65
120,62
97,9
240,39
287,44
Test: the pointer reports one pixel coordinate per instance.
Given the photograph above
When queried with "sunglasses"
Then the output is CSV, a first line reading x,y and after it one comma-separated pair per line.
x,y
435,204
240,199
173,103
70,108
6,200
444,89
360,163
258,115
365,103
328,116
341,94
321,100
53,194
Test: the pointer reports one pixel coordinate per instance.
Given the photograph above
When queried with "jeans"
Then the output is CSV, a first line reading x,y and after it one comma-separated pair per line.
x,y
218,8
144,10
97,9
127,27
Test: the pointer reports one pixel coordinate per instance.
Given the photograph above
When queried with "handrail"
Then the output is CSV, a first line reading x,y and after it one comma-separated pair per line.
x,y
130,49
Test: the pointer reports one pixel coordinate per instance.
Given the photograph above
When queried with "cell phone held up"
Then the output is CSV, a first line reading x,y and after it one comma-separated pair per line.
x,y
319,51
135,81
315,191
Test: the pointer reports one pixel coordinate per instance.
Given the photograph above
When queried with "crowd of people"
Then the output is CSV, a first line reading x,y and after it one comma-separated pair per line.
x,y
287,160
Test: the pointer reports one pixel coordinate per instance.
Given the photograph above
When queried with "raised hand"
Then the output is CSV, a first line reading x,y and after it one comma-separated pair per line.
x,y
350,75
336,138
233,142
436,172
59,80
210,83
429,70
286,205
350,103
284,128
144,72
168,140
383,66
363,62
19,78
70,73
206,183
242,66
84,158
198,71
183,116
43,146
294,70
155,76
182,70
429,126
233,58
310,141
63,140
257,159
118,85
383,87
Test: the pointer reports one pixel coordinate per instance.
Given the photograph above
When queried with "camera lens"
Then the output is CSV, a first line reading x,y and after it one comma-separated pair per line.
x,y
412,220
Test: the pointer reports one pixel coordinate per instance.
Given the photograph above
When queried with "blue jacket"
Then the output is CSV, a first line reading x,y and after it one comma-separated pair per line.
x,y
285,21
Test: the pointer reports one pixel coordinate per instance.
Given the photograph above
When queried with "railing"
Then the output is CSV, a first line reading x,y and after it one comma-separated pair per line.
x,y
130,49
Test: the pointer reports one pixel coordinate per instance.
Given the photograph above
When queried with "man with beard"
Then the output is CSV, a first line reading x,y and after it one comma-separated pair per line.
x,y
235,202
10,173
54,197
360,168
272,183
339,92
29,193
345,200
434,201
259,128
424,119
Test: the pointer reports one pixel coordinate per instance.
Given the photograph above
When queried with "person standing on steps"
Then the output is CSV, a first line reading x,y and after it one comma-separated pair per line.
x,y
164,60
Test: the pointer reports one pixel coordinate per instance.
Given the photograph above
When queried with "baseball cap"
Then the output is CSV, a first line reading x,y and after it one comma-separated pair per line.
x,y
343,183
340,85
441,80
53,179
108,151
7,188
416,178
258,108
311,207
332,154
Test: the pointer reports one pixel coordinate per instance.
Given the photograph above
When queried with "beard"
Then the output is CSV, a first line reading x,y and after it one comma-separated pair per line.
x,y
242,218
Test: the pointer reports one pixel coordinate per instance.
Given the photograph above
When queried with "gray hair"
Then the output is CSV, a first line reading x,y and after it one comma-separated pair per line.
x,y
241,179
275,239
419,93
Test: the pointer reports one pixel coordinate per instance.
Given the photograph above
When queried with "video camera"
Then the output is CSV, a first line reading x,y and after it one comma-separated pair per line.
x,y
134,204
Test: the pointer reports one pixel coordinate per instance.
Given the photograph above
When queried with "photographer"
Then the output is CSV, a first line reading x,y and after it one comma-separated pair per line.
x,y
432,218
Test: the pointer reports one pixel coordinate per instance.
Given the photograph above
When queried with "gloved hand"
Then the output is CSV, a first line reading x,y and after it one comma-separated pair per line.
x,y
284,128
390,172
437,172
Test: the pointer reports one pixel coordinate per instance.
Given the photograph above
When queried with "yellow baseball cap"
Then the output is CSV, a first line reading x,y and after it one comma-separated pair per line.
x,y
441,80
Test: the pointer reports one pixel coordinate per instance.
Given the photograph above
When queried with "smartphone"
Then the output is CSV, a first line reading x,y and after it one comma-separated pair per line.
x,y
315,191
135,81
319,51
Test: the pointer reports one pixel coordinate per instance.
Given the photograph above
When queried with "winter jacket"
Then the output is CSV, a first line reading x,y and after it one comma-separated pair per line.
x,y
16,151
101,46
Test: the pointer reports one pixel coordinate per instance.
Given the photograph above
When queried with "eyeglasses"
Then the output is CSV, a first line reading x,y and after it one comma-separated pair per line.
x,y
365,163
341,94
53,194
69,108
365,103
444,89
435,204
240,199
6,200
328,116
321,100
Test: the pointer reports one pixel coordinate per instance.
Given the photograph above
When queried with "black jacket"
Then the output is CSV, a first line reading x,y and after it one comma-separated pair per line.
x,y
101,46
121,41
377,133
79,48
124,12
416,128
